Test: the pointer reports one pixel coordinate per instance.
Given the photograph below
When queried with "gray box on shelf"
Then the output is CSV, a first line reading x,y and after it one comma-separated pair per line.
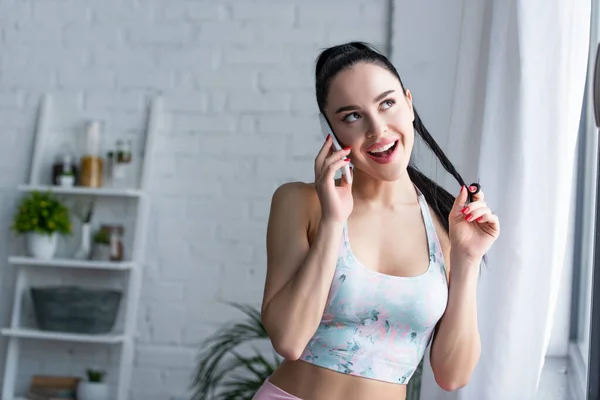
x,y
74,309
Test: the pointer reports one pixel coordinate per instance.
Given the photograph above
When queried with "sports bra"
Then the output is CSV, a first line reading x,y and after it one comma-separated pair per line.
x,y
376,325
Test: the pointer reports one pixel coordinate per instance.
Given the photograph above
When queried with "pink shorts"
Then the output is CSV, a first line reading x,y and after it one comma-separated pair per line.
x,y
268,391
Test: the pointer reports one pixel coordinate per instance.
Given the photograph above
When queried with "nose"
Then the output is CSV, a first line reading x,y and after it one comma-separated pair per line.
x,y
377,126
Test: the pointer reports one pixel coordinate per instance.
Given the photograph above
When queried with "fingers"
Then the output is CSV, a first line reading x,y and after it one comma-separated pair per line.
x,y
331,166
460,200
476,196
476,214
322,155
345,183
330,160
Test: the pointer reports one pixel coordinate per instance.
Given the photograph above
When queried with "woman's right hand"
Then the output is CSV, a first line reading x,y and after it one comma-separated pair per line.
x,y
336,201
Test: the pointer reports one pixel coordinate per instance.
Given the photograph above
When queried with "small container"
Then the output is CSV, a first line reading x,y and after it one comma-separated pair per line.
x,y
91,162
64,170
121,165
116,248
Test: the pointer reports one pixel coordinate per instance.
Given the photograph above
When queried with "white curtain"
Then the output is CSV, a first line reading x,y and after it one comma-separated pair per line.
x,y
519,138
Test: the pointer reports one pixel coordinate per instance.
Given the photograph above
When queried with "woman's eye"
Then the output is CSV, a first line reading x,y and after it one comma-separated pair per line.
x,y
387,104
351,117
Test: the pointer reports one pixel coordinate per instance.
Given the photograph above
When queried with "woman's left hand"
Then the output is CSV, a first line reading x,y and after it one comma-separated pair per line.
x,y
473,227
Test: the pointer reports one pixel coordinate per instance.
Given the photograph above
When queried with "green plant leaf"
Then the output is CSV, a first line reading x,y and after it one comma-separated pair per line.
x,y
218,374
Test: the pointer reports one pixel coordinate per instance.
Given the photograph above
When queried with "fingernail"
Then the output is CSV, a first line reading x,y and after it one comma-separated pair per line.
x,y
327,138
346,159
473,188
347,148
468,217
465,210
479,219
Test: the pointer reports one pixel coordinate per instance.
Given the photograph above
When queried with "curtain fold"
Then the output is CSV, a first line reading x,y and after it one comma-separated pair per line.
x,y
519,138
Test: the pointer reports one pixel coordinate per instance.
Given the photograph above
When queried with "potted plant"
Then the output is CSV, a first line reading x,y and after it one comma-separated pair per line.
x,y
41,217
94,388
223,373
101,245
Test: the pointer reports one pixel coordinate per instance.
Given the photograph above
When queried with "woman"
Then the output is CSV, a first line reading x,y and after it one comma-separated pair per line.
x,y
358,272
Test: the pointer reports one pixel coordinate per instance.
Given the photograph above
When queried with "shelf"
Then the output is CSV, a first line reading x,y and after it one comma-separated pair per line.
x,y
77,190
67,263
66,337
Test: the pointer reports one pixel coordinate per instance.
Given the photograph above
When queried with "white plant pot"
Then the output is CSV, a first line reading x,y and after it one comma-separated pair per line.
x,y
101,252
93,391
42,246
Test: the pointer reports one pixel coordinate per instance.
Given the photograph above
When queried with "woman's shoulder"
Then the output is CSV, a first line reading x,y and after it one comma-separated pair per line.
x,y
298,199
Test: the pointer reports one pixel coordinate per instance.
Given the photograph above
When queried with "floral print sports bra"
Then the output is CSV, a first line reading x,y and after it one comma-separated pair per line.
x,y
375,325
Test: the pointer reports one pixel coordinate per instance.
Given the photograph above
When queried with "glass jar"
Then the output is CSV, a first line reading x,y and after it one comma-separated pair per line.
x,y
121,165
91,162
64,170
115,241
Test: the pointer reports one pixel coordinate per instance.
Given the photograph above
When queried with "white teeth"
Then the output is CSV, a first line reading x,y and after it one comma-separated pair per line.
x,y
382,148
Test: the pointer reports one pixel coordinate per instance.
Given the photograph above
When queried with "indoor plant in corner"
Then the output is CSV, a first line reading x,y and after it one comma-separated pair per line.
x,y
41,217
94,388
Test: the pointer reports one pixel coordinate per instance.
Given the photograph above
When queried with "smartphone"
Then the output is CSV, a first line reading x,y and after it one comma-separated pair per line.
x,y
326,129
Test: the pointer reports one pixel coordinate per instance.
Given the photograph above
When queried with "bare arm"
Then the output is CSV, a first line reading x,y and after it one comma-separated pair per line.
x,y
298,275
457,346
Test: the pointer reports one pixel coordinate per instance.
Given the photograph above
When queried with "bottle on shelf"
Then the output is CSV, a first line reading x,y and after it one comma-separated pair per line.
x,y
92,162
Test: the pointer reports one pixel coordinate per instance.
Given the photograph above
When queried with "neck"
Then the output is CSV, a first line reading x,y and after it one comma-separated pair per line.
x,y
383,193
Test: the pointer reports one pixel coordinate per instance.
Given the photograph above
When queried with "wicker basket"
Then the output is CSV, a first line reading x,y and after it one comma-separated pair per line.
x,y
75,309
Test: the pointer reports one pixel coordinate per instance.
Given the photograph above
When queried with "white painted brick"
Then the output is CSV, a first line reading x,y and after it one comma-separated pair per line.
x,y
218,102
11,99
264,11
162,291
183,143
166,357
74,78
204,57
16,118
257,56
242,284
229,33
346,13
27,78
259,210
15,10
83,35
189,101
30,33
190,11
286,79
282,124
305,102
64,11
119,11
114,100
226,78
47,56
160,34
203,123
168,319
257,102
145,79
194,333
257,145
150,379
129,58
286,36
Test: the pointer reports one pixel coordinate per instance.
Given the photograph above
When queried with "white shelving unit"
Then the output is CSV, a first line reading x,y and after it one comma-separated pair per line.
x,y
129,270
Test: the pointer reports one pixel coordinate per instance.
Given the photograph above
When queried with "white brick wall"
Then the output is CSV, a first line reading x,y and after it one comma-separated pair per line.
x,y
237,77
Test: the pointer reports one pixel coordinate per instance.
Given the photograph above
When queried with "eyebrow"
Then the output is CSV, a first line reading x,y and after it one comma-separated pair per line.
x,y
352,107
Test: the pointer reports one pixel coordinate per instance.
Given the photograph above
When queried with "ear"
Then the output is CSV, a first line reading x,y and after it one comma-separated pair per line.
x,y
408,97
